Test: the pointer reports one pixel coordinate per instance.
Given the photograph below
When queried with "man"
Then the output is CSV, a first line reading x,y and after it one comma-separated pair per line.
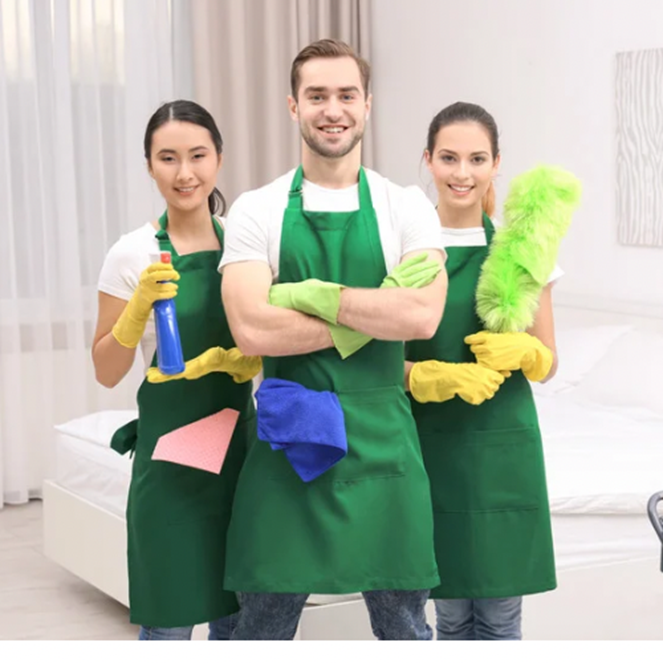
x,y
365,524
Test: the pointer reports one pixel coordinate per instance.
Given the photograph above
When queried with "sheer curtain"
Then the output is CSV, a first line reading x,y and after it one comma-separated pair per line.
x,y
78,82
242,54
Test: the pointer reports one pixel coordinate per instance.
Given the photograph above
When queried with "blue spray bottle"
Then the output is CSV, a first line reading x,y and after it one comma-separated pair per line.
x,y
169,347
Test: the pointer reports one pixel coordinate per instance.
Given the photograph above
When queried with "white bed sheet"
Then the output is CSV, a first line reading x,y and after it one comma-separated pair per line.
x,y
599,461
87,466
584,540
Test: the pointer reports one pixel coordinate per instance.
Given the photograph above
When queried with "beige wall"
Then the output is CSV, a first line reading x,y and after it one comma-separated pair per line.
x,y
546,72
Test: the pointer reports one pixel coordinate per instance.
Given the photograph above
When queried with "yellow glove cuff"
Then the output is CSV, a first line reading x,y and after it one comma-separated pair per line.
x,y
427,385
130,326
241,367
539,366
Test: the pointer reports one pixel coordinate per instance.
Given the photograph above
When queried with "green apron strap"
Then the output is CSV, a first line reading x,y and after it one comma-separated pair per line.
x,y
296,200
162,234
489,228
365,200
164,239
219,231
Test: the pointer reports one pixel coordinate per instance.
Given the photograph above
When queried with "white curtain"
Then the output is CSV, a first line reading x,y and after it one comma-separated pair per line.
x,y
78,82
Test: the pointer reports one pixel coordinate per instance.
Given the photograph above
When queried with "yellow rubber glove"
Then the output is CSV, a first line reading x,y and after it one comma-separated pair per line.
x,y
215,360
439,381
130,326
512,351
415,272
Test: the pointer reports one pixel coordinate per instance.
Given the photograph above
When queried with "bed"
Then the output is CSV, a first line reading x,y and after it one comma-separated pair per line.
x,y
602,422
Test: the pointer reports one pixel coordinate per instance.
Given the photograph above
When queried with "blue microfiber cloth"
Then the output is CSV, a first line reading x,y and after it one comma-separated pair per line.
x,y
307,425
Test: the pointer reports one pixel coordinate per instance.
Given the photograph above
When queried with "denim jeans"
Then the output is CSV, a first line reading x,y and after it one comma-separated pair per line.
x,y
219,629
479,619
395,615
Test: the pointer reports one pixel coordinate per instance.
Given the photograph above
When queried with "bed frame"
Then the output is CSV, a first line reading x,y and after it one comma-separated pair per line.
x,y
620,601
86,540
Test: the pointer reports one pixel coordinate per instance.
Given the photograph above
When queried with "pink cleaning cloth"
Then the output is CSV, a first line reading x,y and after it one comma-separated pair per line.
x,y
202,444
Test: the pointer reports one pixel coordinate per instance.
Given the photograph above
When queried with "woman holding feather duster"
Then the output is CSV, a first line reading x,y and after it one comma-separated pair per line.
x,y
470,384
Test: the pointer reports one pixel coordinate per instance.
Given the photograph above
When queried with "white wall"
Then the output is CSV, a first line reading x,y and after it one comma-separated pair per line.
x,y
546,73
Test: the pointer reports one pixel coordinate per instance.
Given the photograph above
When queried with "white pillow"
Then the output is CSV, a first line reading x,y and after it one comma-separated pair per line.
x,y
628,376
97,427
579,350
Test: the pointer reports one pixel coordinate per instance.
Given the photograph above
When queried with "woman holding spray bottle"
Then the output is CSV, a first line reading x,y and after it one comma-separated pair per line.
x,y
177,515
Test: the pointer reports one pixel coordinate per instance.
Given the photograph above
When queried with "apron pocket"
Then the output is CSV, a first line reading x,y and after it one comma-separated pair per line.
x,y
170,494
485,470
376,422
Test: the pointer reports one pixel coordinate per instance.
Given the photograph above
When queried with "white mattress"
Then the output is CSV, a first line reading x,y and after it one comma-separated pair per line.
x,y
599,461
87,466
602,468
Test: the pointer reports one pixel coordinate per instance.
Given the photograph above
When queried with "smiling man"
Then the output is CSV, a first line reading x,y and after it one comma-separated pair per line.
x,y
345,249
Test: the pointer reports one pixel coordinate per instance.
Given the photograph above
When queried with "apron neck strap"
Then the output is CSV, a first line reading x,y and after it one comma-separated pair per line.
x,y
296,199
489,228
164,239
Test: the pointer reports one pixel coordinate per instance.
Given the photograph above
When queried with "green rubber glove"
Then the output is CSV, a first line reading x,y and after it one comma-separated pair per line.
x,y
313,297
415,272
347,341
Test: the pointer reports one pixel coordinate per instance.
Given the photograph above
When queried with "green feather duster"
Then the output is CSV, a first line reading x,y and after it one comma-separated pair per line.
x,y
523,253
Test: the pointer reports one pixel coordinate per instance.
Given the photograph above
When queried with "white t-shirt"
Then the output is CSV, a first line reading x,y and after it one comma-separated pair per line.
x,y
120,274
407,220
477,237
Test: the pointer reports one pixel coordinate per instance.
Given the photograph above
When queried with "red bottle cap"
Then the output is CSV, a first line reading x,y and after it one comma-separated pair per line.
x,y
165,257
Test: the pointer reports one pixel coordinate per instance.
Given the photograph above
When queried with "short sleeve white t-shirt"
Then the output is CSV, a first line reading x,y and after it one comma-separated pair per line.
x,y
120,274
407,220
477,237
121,271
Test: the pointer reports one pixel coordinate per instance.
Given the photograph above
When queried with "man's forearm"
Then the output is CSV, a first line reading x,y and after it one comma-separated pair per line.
x,y
393,314
275,332
260,329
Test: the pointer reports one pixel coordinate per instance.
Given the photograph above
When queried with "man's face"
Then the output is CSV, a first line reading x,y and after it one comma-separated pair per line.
x,y
331,106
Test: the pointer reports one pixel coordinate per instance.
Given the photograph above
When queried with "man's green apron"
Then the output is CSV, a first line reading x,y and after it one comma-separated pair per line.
x,y
177,516
485,463
366,523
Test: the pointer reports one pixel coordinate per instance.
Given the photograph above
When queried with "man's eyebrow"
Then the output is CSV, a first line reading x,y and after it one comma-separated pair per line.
x,y
322,88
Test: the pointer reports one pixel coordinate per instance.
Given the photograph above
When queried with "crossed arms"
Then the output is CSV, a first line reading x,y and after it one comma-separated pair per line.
x,y
391,314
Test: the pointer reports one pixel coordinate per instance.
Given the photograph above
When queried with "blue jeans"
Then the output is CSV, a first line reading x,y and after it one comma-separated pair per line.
x,y
395,615
219,629
479,619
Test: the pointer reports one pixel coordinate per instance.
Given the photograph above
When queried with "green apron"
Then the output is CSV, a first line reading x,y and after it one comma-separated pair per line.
x,y
492,520
366,523
177,516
